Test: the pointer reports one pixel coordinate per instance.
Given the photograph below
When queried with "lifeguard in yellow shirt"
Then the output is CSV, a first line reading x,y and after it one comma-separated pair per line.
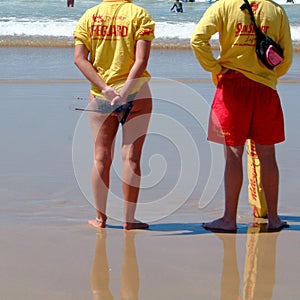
x,y
112,48
246,104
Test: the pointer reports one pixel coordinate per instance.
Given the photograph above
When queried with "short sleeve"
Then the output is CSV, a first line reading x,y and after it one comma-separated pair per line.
x,y
81,33
145,30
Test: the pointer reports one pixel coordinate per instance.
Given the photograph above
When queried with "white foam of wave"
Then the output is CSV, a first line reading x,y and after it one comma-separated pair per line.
x,y
37,28
165,30
295,33
64,28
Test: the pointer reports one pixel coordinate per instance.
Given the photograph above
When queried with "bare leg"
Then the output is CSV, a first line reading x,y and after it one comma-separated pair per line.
x,y
134,133
270,183
104,129
233,183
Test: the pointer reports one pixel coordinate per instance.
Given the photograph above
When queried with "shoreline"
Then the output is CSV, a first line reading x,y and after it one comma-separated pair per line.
x,y
63,42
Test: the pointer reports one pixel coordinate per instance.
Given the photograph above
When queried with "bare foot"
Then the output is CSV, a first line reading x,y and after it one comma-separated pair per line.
x,y
98,223
135,225
277,226
220,225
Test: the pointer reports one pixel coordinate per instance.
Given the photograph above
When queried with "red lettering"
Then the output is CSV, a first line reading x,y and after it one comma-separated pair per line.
x,y
100,31
238,28
264,29
124,31
243,29
112,31
103,30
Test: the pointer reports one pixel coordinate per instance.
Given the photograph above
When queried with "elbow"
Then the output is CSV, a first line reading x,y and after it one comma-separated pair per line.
x,y
144,64
76,60
143,61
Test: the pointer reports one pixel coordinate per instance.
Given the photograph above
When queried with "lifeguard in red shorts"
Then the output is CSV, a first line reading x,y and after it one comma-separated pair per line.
x,y
246,104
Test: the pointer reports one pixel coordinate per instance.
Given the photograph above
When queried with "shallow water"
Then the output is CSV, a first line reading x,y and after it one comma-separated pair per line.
x,y
38,128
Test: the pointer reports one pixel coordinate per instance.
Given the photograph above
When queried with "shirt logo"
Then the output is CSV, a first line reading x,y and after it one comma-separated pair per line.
x,y
97,19
147,31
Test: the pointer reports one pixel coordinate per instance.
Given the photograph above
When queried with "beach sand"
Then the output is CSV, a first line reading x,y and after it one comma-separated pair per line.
x,y
48,251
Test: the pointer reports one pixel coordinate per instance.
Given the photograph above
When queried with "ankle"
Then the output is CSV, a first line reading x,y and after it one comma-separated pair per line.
x,y
101,218
135,225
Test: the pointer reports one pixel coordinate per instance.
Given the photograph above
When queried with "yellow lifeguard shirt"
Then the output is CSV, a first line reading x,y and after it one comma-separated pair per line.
x,y
238,39
110,31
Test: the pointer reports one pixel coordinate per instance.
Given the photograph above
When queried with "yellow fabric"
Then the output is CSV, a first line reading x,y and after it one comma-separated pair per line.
x,y
237,39
256,195
110,31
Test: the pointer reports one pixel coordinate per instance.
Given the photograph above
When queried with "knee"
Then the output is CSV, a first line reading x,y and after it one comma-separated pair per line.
x,y
266,153
234,154
103,160
130,156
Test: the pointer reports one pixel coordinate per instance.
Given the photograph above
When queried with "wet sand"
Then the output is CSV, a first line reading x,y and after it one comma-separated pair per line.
x,y
47,249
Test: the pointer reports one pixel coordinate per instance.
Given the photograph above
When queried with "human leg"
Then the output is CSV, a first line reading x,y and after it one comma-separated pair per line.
x,y
267,129
229,124
104,130
134,133
270,183
233,179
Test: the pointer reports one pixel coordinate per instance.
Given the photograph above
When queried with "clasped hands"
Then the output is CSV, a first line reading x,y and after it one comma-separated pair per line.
x,y
113,96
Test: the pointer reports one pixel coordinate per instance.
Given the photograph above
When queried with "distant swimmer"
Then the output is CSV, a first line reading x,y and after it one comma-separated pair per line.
x,y
178,6
70,3
290,1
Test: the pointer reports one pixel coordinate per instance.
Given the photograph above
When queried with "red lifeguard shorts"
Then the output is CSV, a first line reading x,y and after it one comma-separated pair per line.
x,y
244,109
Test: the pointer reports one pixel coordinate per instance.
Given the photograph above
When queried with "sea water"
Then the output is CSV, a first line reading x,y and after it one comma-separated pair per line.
x,y
53,20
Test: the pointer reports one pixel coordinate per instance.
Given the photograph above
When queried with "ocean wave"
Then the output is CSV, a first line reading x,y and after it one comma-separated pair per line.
x,y
64,28
33,27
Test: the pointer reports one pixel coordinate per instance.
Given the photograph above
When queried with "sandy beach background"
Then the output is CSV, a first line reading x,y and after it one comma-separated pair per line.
x,y
47,249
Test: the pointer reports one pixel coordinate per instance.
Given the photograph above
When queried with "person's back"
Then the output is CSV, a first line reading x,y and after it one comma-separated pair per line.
x,y
110,31
112,49
238,38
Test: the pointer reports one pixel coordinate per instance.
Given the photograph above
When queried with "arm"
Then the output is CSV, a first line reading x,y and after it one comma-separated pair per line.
x,y
81,54
285,42
200,41
203,52
142,54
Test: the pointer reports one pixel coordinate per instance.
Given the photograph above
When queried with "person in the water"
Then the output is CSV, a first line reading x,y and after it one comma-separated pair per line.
x,y
177,6
70,3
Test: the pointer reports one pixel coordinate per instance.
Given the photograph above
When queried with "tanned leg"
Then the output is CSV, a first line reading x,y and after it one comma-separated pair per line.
x,y
134,133
104,130
270,183
233,179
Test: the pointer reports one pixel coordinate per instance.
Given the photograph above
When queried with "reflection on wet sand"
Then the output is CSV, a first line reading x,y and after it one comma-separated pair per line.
x,y
100,269
259,268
